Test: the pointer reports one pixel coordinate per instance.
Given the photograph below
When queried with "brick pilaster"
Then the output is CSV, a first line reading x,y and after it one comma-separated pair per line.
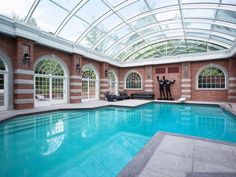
x,y
232,81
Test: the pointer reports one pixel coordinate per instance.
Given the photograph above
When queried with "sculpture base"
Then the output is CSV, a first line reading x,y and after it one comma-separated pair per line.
x,y
169,99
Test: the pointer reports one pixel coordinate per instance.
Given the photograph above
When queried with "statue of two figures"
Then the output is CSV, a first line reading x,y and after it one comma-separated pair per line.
x,y
164,87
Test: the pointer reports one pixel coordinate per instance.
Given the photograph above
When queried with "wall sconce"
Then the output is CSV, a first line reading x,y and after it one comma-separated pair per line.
x,y
78,67
106,73
26,59
106,69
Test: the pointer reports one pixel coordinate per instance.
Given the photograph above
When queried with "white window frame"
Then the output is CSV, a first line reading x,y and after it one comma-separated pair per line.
x,y
215,66
141,80
114,82
6,87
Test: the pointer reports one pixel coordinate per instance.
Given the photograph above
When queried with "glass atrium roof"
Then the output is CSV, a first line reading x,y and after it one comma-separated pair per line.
x,y
129,30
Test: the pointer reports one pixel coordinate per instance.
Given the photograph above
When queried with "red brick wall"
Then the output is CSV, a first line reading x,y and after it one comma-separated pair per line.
x,y
13,48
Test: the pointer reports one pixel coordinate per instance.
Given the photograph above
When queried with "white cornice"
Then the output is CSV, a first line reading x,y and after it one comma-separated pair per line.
x,y
13,28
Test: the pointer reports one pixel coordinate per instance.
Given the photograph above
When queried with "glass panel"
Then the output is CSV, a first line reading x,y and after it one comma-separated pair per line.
x,y
114,49
223,29
49,67
200,1
111,76
198,26
42,91
202,35
131,39
15,9
133,80
1,89
143,22
226,15
104,45
73,29
92,10
48,16
150,31
172,34
2,66
88,73
228,2
221,39
162,3
199,13
109,23
67,4
116,2
156,38
84,93
133,9
121,32
91,38
171,26
92,89
170,15
57,88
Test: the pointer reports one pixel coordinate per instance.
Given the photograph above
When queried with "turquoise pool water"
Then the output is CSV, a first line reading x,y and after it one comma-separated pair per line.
x,y
99,142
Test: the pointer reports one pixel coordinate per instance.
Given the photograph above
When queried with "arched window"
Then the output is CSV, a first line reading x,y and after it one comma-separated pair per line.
x,y
212,77
50,83
89,84
113,83
3,83
133,81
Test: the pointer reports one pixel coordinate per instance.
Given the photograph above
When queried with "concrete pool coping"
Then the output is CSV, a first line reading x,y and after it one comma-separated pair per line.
x,y
131,103
139,165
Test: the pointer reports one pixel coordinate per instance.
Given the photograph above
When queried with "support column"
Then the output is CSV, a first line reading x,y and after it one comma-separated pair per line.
x,y
186,81
104,84
232,81
24,74
75,79
148,84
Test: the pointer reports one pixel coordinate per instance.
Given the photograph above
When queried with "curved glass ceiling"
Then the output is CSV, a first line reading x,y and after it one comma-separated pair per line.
x,y
134,29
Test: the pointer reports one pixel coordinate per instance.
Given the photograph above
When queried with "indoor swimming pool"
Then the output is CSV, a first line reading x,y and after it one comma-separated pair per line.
x,y
100,142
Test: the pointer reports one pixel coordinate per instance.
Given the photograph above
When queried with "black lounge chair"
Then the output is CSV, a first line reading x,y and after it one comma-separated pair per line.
x,y
111,97
144,95
123,96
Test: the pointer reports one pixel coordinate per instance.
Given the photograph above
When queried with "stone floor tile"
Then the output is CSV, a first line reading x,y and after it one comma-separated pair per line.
x,y
211,145
200,166
215,156
151,173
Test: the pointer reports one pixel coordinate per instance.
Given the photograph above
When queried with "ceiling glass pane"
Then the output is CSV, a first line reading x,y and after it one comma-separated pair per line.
x,y
73,29
133,9
114,49
116,2
15,9
226,15
198,26
199,13
104,45
48,16
149,31
110,22
162,3
156,38
174,33
221,39
193,34
92,10
223,29
200,1
170,15
131,39
171,26
91,38
121,32
229,2
143,22
67,4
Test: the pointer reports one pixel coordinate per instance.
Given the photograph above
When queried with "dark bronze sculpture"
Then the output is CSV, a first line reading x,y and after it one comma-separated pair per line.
x,y
161,87
164,86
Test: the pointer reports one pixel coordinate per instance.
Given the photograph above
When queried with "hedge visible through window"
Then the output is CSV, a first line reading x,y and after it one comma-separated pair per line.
x,y
133,81
211,77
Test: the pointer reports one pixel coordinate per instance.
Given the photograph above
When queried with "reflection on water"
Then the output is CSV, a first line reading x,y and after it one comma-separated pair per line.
x,y
99,142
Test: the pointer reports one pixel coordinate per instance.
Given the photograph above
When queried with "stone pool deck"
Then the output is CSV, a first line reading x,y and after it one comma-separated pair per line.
x,y
171,155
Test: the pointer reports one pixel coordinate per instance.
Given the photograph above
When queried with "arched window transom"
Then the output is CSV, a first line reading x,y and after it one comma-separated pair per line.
x,y
49,67
88,73
211,77
133,81
2,66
